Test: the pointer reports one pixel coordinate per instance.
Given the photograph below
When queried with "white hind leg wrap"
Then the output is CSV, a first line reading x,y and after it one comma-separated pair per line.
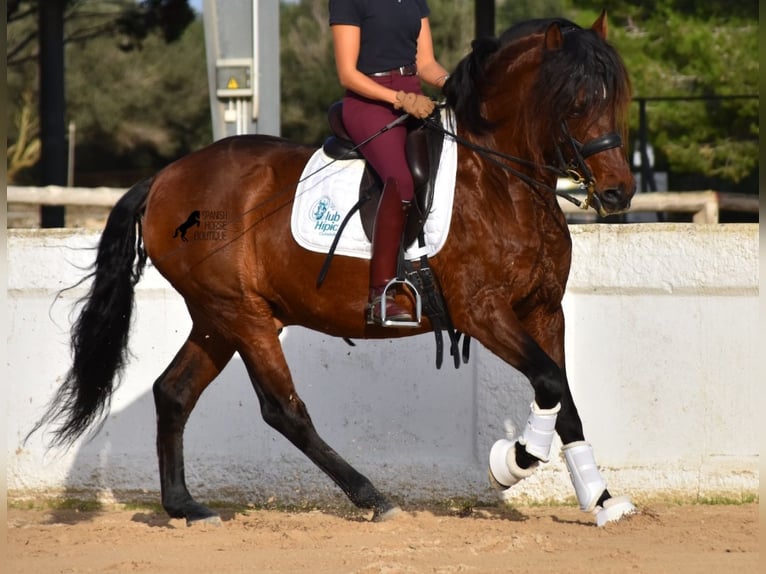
x,y
538,434
536,440
587,480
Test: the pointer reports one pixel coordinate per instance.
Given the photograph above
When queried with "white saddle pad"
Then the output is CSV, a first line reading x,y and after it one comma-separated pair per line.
x,y
329,189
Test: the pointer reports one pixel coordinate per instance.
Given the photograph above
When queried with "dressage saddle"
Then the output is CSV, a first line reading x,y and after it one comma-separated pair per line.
x,y
423,150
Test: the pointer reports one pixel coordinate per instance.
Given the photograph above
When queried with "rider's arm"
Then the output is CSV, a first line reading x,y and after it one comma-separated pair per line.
x,y
429,70
347,40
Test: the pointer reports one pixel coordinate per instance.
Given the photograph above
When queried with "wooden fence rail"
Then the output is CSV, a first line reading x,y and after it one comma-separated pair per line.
x,y
704,205
57,195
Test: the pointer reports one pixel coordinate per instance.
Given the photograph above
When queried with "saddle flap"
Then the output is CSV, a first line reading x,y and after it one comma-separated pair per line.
x,y
423,148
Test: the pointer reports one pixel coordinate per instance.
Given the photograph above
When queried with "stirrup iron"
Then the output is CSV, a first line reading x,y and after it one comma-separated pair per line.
x,y
390,323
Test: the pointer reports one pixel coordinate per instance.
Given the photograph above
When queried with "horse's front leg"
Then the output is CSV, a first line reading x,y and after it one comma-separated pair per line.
x,y
515,458
553,410
176,391
590,486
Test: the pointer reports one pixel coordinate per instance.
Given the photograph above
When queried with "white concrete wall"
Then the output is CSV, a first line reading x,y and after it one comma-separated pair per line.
x,y
662,357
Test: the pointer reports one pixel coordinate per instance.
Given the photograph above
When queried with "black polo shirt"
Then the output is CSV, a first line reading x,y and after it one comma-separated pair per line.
x,y
389,30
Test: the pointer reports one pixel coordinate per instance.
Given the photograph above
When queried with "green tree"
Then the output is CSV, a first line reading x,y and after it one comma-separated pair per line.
x,y
136,111
127,21
309,83
705,52
115,26
512,11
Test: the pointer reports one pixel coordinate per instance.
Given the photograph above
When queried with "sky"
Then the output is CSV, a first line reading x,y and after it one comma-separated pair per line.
x,y
196,4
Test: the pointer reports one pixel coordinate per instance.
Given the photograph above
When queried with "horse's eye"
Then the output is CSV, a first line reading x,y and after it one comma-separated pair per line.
x,y
577,110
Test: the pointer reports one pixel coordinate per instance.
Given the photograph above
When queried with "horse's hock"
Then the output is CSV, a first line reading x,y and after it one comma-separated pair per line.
x,y
662,359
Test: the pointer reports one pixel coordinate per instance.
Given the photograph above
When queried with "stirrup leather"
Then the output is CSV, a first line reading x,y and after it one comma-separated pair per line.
x,y
384,321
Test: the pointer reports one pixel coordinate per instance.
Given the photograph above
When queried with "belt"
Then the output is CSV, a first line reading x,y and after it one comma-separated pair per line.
x,y
408,70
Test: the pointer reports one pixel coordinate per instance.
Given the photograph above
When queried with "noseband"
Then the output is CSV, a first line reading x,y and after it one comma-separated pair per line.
x,y
577,170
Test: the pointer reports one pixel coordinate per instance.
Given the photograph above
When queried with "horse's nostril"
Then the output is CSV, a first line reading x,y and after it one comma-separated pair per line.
x,y
614,200
612,196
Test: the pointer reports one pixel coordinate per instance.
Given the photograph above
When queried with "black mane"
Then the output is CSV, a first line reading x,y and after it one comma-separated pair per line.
x,y
579,72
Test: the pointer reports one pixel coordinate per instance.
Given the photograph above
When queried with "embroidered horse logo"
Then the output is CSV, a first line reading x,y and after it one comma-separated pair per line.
x,y
191,221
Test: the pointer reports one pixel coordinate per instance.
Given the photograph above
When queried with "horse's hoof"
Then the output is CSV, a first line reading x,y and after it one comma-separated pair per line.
x,y
212,520
388,514
614,509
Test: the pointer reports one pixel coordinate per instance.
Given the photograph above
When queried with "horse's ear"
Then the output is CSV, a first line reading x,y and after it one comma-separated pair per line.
x,y
600,25
554,39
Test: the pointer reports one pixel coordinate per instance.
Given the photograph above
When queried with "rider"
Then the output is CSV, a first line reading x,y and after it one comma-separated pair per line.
x,y
383,49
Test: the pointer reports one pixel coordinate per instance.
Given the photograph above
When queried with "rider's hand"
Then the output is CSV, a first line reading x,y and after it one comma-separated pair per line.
x,y
417,105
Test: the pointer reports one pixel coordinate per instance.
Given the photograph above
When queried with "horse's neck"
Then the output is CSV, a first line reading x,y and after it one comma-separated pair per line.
x,y
524,196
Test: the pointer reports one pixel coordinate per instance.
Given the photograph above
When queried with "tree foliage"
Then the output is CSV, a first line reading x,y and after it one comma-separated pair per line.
x,y
308,80
688,59
139,110
128,21
136,85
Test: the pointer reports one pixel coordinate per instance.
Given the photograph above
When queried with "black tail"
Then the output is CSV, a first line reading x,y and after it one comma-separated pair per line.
x,y
100,334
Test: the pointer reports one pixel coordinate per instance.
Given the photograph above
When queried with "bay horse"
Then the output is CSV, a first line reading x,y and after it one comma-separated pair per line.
x,y
546,99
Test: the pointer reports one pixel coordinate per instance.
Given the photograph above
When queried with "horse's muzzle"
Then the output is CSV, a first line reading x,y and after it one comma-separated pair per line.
x,y
614,200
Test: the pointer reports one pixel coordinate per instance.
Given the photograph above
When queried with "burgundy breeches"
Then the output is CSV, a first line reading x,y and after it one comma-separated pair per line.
x,y
363,117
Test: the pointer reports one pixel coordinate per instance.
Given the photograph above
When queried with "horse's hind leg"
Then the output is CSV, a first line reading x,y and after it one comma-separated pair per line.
x,y
197,363
282,409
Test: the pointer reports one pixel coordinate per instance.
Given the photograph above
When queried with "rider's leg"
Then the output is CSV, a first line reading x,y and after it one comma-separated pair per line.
x,y
386,238
386,154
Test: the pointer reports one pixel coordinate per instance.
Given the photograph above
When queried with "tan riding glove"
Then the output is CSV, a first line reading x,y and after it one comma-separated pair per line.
x,y
417,105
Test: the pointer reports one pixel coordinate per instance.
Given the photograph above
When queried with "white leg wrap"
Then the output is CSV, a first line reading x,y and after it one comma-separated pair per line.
x,y
586,478
536,439
538,434
590,485
502,465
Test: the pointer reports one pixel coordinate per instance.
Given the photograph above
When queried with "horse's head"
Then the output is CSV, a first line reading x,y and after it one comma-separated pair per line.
x,y
555,94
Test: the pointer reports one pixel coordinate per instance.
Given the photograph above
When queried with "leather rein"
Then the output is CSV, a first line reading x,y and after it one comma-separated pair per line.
x,y
575,169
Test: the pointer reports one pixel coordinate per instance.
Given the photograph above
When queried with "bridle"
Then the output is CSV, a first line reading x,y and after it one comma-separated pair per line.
x,y
574,169
578,171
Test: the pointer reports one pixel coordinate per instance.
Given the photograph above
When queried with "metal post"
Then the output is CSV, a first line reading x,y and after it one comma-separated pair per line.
x,y
242,45
484,18
647,171
642,142
71,141
53,153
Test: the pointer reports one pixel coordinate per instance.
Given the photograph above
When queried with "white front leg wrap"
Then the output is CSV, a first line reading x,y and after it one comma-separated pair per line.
x,y
536,439
590,485
538,434
586,478
503,467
